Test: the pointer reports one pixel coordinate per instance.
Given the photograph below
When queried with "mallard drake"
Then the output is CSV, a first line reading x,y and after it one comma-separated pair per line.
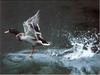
x,y
31,33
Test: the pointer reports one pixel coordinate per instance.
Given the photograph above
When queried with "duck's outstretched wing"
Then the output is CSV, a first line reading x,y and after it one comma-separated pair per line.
x,y
31,26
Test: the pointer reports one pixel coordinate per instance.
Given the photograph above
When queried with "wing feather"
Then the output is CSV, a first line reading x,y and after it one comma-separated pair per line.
x,y
31,26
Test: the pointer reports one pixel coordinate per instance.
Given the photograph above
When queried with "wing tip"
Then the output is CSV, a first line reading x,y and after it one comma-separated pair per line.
x,y
37,13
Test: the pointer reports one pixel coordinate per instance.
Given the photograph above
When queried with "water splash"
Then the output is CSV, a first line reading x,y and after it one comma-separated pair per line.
x,y
85,56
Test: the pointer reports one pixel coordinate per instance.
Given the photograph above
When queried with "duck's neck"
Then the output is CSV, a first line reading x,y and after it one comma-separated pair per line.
x,y
14,33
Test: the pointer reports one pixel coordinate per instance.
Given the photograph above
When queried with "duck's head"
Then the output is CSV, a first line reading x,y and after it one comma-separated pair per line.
x,y
12,31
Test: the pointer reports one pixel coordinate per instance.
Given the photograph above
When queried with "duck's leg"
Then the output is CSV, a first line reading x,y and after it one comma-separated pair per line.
x,y
33,50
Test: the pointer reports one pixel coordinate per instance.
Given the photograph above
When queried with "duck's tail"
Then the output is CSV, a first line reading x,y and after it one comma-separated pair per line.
x,y
46,44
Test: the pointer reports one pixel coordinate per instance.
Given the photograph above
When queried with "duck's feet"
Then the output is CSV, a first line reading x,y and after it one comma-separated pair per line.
x,y
30,56
33,51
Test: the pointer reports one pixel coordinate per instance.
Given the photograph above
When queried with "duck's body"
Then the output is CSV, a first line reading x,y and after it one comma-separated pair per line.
x,y
31,33
35,41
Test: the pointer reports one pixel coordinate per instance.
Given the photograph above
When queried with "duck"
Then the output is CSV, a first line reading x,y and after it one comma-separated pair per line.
x,y
31,34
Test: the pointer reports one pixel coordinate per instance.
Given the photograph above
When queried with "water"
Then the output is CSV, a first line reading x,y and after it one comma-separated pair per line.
x,y
81,59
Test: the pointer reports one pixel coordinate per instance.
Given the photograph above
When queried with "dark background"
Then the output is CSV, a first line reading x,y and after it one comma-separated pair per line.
x,y
55,18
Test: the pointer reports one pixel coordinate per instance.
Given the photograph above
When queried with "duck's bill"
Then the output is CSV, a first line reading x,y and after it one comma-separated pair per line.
x,y
6,32
98,33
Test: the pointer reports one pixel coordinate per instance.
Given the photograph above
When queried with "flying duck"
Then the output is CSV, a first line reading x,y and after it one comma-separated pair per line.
x,y
31,33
